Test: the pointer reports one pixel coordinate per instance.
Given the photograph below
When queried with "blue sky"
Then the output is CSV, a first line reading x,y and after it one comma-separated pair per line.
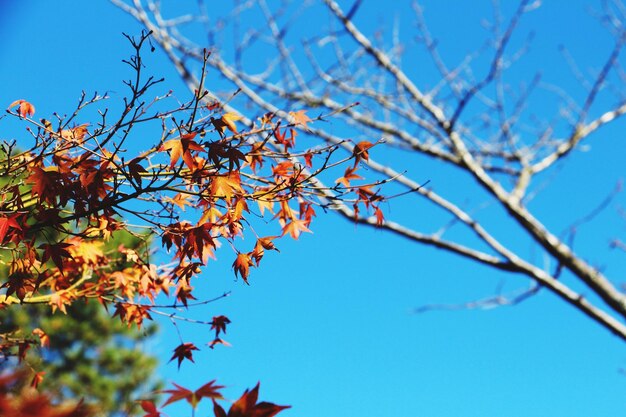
x,y
326,325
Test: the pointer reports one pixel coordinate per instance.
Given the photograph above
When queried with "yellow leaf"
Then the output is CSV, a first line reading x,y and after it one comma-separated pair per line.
x,y
227,121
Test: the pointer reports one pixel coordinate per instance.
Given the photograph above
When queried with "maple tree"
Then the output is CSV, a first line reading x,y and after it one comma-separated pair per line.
x,y
82,354
473,119
75,186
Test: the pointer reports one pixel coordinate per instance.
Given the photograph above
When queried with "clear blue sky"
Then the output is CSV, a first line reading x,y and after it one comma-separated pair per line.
x,y
326,325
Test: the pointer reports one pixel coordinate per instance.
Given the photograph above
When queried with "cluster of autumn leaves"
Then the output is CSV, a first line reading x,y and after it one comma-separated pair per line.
x,y
67,194
23,401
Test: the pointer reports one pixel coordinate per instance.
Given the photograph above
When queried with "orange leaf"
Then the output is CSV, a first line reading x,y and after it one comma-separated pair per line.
x,y
348,176
242,266
182,148
380,219
224,186
218,341
360,151
176,150
295,227
25,109
300,118
262,244
227,121
76,133
37,379
180,200
43,337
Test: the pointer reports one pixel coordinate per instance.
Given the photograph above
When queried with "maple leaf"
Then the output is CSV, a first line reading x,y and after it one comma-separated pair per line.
x,y
227,121
25,109
181,200
360,151
217,151
242,265
59,300
219,324
37,379
295,228
224,186
307,212
348,175
283,139
208,390
265,200
149,408
132,313
182,352
182,148
56,252
184,291
255,156
218,341
46,183
19,283
282,170
260,246
44,339
180,393
176,150
210,215
300,118
76,133
308,159
380,219
87,252
135,170
246,406
240,206
5,223
267,118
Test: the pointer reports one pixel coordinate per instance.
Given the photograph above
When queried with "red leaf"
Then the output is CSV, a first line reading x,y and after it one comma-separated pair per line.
x,y
218,410
135,170
150,409
308,159
182,352
5,223
56,252
219,324
180,393
246,406
208,390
